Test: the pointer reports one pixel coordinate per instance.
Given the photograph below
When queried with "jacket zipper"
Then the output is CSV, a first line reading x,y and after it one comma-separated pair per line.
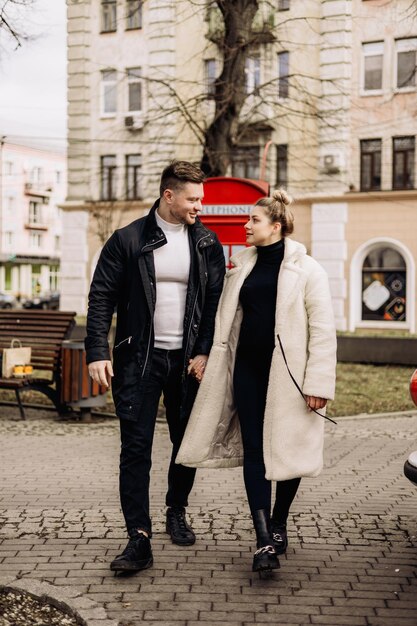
x,y
192,312
128,339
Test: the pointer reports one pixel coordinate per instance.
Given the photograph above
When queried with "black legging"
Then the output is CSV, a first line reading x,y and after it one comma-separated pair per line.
x,y
250,382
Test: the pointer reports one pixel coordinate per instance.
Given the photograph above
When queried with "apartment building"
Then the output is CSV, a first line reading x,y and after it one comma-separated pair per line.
x,y
329,114
32,185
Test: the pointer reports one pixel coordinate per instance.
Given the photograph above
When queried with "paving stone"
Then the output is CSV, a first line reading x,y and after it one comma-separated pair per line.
x,y
350,529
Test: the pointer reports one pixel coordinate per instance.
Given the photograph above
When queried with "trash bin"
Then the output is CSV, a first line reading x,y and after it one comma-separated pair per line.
x,y
78,390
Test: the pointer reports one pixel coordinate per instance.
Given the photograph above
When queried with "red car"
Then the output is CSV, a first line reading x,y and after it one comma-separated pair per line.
x,y
410,466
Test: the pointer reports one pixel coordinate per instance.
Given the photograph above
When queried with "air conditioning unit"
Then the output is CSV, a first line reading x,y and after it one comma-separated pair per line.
x,y
134,122
332,163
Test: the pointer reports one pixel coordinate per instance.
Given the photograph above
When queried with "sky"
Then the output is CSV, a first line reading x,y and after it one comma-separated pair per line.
x,y
33,78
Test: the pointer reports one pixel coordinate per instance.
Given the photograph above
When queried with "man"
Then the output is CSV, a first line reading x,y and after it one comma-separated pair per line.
x,y
164,272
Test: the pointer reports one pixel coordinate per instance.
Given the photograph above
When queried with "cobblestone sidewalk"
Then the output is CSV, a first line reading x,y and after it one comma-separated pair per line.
x,y
353,531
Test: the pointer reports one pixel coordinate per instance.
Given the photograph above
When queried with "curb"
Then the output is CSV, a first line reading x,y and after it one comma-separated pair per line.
x,y
67,599
370,416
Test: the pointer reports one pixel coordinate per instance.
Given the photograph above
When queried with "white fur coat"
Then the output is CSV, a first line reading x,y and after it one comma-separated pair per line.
x,y
293,435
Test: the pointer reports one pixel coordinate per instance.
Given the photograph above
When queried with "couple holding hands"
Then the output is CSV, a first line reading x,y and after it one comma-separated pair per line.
x,y
245,361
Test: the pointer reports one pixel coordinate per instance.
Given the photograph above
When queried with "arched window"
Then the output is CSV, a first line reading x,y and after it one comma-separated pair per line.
x,y
384,285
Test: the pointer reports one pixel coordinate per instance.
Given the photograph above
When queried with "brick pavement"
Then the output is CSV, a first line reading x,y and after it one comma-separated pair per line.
x,y
353,530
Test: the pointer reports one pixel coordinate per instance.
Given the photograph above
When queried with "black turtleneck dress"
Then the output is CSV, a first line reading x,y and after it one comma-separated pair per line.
x,y
258,297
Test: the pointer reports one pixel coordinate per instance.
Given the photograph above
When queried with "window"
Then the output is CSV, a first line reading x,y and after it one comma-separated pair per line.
x,y
283,5
35,240
370,164
245,162
210,76
373,54
8,168
54,278
134,82
8,238
36,175
134,14
108,92
406,63
108,16
11,204
384,286
58,177
108,177
282,165
57,243
252,74
283,74
35,212
403,162
8,277
133,174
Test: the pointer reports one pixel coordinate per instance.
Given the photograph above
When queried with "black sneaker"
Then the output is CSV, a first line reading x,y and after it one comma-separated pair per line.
x,y
177,527
279,535
136,556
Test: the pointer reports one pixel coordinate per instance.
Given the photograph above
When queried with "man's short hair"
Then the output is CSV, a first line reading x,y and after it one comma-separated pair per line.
x,y
178,173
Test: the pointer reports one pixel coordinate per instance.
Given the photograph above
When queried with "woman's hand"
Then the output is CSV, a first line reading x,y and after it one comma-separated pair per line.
x,y
315,403
197,365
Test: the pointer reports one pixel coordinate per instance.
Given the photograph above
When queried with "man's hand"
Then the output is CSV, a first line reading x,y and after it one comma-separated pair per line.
x,y
315,403
101,372
197,365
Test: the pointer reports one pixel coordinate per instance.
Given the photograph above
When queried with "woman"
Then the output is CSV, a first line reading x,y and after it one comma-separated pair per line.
x,y
275,310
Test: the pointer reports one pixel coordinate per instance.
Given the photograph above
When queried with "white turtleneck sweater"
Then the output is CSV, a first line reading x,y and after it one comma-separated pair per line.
x,y
172,269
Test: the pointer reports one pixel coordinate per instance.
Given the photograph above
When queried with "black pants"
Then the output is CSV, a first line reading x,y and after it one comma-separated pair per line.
x,y
137,438
250,382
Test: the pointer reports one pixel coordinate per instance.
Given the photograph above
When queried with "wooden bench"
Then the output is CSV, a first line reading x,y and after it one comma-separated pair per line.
x,y
44,332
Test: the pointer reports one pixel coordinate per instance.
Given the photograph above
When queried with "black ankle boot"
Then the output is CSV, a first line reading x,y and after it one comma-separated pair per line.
x,y
279,537
265,558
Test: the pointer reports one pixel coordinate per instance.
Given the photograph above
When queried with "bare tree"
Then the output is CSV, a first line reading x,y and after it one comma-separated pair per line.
x,y
12,14
229,91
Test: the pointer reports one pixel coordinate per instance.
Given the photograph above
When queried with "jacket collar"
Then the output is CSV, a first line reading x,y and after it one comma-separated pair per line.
x,y
155,237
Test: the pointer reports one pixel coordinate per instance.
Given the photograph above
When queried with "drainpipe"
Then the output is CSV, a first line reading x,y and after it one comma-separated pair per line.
x,y
263,160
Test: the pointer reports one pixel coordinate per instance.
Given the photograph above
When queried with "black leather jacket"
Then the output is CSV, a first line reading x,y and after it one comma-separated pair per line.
x,y
125,278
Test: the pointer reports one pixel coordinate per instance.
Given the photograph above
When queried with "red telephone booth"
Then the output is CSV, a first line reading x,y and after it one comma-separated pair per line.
x,y
226,206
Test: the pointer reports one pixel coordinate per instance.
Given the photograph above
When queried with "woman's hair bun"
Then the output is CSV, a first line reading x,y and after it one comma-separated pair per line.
x,y
281,196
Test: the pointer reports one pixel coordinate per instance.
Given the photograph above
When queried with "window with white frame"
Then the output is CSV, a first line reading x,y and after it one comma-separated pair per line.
x,y
252,73
283,74
133,14
210,71
35,240
8,168
108,92
36,175
54,277
35,212
11,203
384,274
58,176
57,242
108,16
134,81
405,50
8,238
373,57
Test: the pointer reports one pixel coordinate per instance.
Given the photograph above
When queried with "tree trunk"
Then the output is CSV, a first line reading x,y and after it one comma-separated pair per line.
x,y
230,92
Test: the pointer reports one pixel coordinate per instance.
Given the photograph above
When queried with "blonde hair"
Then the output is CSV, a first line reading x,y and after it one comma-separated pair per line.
x,y
276,208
